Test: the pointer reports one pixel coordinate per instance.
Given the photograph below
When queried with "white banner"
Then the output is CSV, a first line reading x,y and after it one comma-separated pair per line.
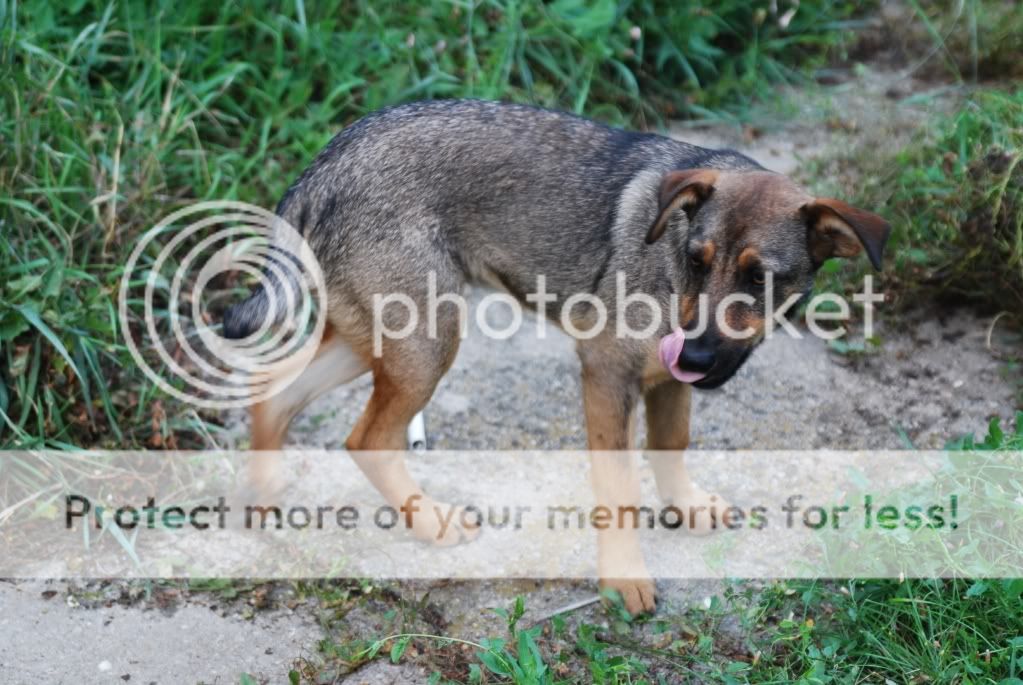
x,y
779,514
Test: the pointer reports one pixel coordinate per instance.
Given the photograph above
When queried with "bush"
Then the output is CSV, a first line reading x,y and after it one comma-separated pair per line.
x,y
956,203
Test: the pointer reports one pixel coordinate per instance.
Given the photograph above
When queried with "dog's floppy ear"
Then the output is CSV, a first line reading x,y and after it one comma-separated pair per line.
x,y
685,188
835,229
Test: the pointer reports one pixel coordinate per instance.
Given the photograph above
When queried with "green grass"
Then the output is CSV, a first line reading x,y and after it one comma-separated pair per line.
x,y
956,202
922,630
971,40
114,114
954,196
796,631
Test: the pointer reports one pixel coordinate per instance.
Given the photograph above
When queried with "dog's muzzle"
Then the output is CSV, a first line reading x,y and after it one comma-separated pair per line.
x,y
671,350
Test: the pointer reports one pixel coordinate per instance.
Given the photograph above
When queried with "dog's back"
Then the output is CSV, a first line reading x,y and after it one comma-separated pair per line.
x,y
468,186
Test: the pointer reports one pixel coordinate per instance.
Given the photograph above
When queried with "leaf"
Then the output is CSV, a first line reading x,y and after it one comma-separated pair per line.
x,y
585,20
495,662
374,649
246,679
737,667
12,325
1013,587
399,648
995,436
977,589
20,286
831,266
32,316
54,280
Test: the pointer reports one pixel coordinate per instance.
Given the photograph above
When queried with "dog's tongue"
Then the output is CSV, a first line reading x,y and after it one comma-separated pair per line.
x,y
669,350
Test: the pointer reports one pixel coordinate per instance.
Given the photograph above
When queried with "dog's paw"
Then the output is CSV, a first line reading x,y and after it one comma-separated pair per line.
x,y
703,512
445,525
263,480
638,594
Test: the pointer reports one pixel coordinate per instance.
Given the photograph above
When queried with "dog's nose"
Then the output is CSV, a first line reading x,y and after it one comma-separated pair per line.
x,y
697,355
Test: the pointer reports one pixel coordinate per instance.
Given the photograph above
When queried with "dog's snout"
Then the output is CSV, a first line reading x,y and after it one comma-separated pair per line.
x,y
697,355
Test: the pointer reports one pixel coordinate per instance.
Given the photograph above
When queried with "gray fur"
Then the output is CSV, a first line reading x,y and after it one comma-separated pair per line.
x,y
477,191
482,191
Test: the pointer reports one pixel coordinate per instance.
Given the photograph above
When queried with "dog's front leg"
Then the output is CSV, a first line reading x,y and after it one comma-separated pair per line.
x,y
667,421
610,401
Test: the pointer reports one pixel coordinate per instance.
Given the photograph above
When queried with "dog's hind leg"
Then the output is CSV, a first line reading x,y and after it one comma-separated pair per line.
x,y
404,378
335,363
667,419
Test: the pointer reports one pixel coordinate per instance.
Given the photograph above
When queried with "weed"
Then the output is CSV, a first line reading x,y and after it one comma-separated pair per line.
x,y
971,39
954,196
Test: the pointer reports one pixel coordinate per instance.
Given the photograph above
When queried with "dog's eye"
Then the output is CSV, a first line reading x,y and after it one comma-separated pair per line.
x,y
758,277
696,261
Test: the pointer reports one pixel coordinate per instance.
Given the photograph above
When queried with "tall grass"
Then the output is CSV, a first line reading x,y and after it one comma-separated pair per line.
x,y
112,114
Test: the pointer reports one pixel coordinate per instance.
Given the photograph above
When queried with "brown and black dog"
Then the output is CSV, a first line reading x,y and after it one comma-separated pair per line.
x,y
455,192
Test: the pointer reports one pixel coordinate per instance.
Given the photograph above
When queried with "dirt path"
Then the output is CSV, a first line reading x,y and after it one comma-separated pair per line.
x,y
933,378
53,633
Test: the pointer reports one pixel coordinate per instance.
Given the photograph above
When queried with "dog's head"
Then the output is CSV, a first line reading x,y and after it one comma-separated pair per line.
x,y
748,231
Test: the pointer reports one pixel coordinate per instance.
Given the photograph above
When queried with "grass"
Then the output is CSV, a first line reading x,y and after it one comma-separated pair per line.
x,y
924,630
972,40
114,114
955,199
954,196
796,631
954,193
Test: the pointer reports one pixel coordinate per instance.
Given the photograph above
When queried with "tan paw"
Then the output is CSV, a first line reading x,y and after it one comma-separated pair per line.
x,y
444,524
703,512
638,594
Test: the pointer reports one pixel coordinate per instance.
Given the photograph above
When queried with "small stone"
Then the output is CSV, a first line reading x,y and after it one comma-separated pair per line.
x,y
105,666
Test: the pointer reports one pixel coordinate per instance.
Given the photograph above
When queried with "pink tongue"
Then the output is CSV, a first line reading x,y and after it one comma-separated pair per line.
x,y
669,350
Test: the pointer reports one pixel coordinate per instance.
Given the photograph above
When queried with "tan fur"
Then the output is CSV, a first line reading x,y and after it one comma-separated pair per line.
x,y
688,305
610,429
740,319
841,230
334,364
707,251
681,189
748,258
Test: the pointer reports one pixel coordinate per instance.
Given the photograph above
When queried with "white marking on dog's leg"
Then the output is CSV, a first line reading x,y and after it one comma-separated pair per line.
x,y
417,433
335,364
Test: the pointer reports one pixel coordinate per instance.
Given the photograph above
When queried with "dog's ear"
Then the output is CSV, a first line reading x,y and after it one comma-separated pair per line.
x,y
835,229
685,188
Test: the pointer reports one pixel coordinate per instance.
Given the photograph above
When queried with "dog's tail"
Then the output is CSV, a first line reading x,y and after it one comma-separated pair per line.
x,y
245,318
269,300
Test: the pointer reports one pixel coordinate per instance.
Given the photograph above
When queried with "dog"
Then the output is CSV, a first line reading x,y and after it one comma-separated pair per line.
x,y
485,192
